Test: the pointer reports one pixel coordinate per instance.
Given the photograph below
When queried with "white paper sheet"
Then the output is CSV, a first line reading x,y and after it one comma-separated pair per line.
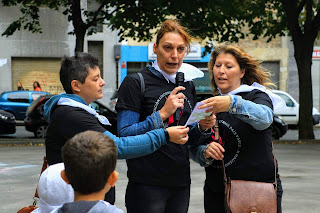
x,y
197,114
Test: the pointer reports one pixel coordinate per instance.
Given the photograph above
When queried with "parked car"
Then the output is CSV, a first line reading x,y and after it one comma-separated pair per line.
x,y
17,102
279,127
7,123
35,122
290,113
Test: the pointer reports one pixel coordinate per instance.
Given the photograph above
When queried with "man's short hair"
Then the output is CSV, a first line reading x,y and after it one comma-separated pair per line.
x,y
89,158
76,68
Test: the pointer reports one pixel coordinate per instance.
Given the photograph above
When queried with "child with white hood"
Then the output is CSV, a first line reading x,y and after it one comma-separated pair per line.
x,y
53,191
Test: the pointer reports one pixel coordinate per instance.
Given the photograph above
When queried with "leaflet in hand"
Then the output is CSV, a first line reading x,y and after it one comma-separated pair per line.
x,y
197,114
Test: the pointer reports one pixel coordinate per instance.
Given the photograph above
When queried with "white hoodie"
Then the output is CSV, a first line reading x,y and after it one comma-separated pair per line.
x,y
53,191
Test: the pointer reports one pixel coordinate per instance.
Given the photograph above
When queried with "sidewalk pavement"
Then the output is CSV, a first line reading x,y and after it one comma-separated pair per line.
x,y
298,167
8,141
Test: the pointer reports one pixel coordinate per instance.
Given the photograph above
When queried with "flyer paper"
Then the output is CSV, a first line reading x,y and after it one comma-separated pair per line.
x,y
197,114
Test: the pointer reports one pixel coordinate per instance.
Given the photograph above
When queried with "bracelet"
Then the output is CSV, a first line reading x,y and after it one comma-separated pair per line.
x,y
200,128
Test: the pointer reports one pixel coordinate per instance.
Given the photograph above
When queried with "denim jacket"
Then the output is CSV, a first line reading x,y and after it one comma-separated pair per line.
x,y
258,116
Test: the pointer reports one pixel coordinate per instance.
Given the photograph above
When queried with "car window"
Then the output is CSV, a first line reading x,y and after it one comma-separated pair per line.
x,y
288,100
35,96
18,97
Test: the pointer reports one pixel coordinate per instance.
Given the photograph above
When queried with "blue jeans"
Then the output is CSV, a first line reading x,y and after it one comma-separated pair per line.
x,y
157,199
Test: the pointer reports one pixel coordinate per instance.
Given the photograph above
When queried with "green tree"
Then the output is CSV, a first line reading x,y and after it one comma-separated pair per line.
x,y
220,20
133,19
223,20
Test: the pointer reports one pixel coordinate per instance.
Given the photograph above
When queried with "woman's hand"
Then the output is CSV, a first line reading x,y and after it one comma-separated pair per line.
x,y
174,101
217,104
178,134
208,122
215,151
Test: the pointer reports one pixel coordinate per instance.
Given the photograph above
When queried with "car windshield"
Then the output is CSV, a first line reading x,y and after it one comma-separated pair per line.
x,y
36,95
288,100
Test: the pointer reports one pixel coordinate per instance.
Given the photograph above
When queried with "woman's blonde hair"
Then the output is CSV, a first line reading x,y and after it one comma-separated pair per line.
x,y
169,26
253,70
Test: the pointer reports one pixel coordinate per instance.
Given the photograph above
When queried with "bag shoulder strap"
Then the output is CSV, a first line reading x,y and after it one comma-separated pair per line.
x,y
142,86
225,178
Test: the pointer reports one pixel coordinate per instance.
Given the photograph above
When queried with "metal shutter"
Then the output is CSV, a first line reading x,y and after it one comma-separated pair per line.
x,y
43,70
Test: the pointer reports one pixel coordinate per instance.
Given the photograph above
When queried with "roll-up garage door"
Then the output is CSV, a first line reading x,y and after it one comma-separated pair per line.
x,y
43,70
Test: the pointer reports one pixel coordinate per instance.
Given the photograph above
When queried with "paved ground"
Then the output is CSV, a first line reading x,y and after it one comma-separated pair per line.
x,y
298,163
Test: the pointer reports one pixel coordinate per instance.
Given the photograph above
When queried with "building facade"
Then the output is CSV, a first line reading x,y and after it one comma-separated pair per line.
x,y
274,56
28,57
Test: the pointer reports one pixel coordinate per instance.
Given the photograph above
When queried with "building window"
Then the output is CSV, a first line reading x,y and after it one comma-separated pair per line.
x,y
93,5
134,67
95,48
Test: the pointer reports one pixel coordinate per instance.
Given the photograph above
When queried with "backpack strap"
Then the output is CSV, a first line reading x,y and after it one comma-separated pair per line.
x,y
142,84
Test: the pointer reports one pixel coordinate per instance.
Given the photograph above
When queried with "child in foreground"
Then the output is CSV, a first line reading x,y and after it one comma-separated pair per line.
x,y
90,159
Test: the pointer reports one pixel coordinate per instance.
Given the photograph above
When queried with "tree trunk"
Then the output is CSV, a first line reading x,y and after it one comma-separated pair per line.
x,y
303,41
303,56
80,34
80,27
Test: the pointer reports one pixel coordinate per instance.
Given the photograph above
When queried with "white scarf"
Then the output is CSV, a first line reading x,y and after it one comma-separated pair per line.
x,y
277,102
190,72
72,103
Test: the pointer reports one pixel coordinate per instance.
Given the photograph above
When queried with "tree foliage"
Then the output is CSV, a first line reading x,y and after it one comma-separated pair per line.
x,y
210,20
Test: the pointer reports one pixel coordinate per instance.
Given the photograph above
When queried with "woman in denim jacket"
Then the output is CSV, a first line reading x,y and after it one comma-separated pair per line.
x,y
244,110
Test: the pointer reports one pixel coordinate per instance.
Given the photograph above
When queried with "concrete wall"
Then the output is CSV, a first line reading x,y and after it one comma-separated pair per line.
x,y
53,42
315,71
274,54
293,77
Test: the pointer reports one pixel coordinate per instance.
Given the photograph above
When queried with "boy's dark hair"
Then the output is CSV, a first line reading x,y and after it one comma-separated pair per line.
x,y
76,68
89,158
